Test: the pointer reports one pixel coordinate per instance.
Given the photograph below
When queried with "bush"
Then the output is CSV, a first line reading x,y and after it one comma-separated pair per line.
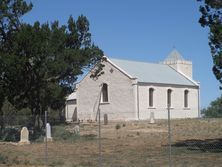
x,y
3,159
61,133
214,110
11,134
118,126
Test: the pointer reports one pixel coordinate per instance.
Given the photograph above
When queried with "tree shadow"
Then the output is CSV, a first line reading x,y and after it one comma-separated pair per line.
x,y
207,145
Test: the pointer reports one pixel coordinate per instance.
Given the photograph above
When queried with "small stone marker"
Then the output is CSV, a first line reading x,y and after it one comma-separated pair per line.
x,y
105,119
152,120
24,136
48,134
76,129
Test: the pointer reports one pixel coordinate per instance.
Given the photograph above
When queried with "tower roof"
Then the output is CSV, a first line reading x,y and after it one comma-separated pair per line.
x,y
174,56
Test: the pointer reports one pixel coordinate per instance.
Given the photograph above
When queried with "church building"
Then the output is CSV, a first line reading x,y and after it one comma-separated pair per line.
x,y
131,90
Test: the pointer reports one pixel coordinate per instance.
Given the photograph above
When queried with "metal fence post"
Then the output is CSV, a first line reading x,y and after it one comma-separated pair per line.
x,y
100,153
46,147
169,135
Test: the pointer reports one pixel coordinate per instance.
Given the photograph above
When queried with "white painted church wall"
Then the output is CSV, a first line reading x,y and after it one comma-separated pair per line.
x,y
160,102
69,109
120,94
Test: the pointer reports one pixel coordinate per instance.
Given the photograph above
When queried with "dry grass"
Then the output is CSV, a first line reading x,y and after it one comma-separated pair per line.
x,y
196,142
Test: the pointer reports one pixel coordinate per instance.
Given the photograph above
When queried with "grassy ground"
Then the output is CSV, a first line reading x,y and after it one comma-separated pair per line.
x,y
195,142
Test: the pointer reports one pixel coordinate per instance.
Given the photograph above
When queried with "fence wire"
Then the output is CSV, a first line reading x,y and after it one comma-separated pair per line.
x,y
194,142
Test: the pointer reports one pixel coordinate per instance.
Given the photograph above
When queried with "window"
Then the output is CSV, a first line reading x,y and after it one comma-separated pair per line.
x,y
104,95
186,98
151,90
169,92
73,101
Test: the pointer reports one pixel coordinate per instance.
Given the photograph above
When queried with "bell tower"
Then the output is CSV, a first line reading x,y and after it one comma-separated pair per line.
x,y
176,61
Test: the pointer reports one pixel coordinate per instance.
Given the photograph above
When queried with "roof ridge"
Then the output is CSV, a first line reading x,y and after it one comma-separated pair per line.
x,y
136,61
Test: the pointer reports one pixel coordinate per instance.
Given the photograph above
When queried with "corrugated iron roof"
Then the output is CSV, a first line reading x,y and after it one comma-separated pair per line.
x,y
152,73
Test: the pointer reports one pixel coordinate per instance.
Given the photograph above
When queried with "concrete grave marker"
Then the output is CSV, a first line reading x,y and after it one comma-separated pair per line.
x,y
24,136
48,134
152,120
76,129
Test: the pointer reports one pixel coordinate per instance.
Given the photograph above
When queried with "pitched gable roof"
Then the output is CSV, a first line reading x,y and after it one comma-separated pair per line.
x,y
152,73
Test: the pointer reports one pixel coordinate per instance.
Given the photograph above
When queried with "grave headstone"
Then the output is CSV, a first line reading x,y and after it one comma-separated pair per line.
x,y
24,136
48,132
152,119
105,119
76,129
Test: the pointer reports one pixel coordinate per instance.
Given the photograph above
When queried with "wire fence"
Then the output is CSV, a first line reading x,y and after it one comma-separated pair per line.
x,y
186,143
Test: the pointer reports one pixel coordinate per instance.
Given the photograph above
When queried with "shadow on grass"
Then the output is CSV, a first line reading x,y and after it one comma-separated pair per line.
x,y
207,145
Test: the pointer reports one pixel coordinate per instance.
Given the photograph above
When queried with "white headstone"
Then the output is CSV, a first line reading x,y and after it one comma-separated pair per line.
x,y
152,120
24,136
48,132
76,129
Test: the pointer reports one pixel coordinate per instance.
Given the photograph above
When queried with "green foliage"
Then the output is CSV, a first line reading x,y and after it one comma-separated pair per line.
x,y
3,159
61,133
214,110
11,134
40,63
211,11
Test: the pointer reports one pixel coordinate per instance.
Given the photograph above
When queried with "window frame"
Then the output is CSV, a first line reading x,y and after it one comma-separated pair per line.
x,y
169,98
151,98
104,94
186,98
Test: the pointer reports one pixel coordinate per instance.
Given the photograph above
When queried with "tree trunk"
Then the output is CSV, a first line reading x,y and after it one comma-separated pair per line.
x,y
37,119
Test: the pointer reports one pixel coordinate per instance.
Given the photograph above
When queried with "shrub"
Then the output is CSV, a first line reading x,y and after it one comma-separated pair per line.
x,y
3,159
118,126
61,133
214,110
11,134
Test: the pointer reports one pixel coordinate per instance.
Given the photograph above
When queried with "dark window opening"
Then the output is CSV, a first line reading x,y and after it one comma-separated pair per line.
x,y
151,90
104,95
169,93
186,98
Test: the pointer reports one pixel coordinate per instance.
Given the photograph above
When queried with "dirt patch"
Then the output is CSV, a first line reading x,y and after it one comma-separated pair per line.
x,y
134,144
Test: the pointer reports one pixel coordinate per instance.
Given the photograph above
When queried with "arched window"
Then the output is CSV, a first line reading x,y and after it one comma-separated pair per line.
x,y
151,90
104,95
169,93
186,98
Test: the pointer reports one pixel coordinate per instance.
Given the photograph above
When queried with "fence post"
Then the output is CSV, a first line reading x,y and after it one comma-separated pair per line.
x,y
46,147
169,135
100,153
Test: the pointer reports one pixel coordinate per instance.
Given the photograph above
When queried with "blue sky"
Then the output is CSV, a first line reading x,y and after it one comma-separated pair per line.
x,y
142,30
